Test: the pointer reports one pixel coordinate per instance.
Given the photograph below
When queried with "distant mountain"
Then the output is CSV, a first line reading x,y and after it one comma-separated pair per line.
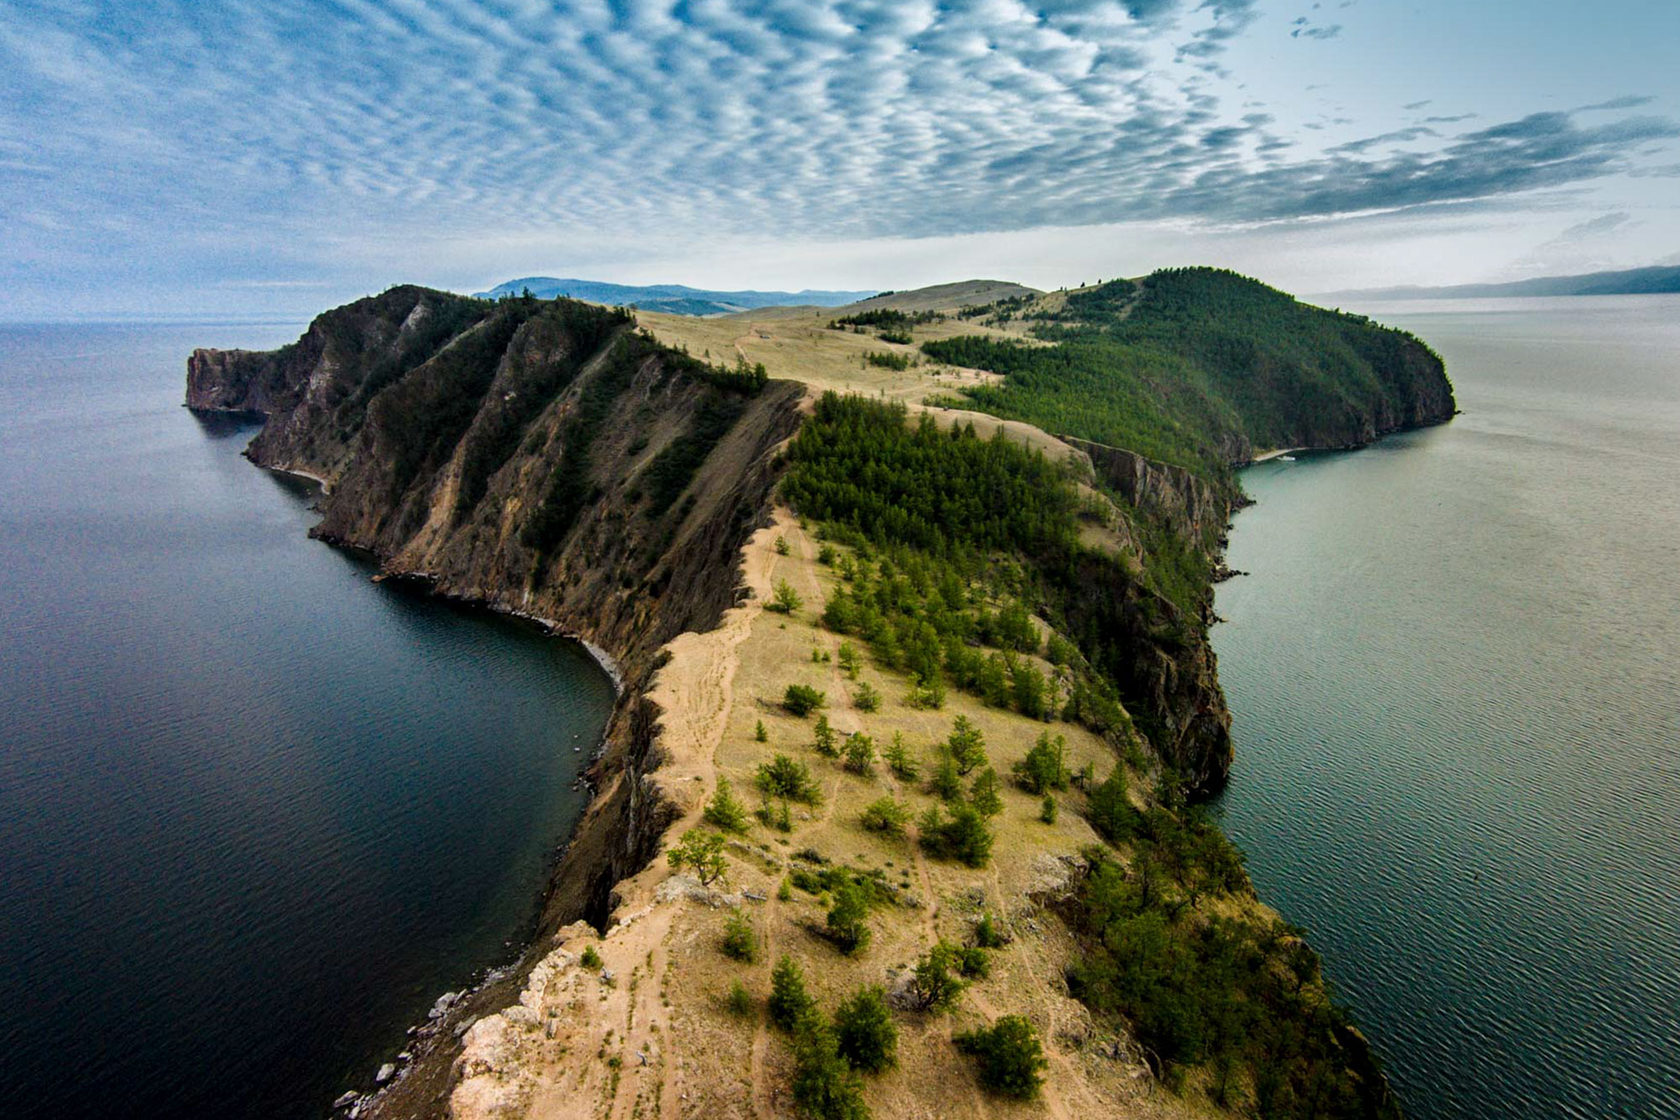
x,y
674,298
1627,282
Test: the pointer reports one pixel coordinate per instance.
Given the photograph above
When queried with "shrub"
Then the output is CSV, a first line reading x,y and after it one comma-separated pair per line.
x,y
973,963
945,782
781,546
777,817
1008,1056
926,696
760,735
968,746
802,699
788,779
739,941
849,660
825,555
1045,767
899,760
847,918
702,853
860,753
788,998
784,892
964,837
724,810
1047,809
739,1001
867,698
826,744
987,935
934,985
590,959
865,1032
886,816
785,600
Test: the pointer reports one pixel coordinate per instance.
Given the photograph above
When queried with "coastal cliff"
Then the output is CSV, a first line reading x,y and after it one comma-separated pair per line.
x,y
559,461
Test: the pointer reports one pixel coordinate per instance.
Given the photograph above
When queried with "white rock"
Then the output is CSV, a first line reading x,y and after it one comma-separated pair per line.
x,y
385,1072
345,1100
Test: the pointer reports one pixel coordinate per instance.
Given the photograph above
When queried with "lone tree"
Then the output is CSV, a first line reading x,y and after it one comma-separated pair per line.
x,y
935,985
865,1030
701,852
1008,1056
847,918
785,600
968,746
788,998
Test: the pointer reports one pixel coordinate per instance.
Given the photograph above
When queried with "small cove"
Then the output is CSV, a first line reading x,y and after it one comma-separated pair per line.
x,y
256,812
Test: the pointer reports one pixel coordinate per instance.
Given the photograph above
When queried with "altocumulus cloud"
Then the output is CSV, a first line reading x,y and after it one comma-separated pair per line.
x,y
827,118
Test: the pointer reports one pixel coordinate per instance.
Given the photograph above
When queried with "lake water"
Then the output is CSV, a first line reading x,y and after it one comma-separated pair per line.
x,y
256,812
1455,676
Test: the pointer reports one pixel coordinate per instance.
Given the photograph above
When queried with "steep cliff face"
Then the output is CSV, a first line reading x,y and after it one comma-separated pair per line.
x,y
540,457
1190,504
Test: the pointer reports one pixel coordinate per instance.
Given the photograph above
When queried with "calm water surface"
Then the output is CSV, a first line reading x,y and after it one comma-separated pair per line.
x,y
256,813
1455,674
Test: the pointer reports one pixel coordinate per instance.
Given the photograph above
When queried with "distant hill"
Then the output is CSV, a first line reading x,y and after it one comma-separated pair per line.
x,y
673,298
1627,282
947,297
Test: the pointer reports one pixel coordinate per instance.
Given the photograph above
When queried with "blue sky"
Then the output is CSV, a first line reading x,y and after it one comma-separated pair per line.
x,y
245,156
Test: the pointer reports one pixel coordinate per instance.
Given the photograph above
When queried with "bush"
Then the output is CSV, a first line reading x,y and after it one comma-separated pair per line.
x,y
860,753
781,546
777,817
739,941
865,1032
825,744
739,1001
1047,809
867,698
886,816
785,600
824,1085
724,810
987,935
788,998
1008,1055
1030,691
934,985
964,837
1045,767
788,779
899,760
973,963
702,853
760,735
945,783
849,660
847,919
590,959
802,699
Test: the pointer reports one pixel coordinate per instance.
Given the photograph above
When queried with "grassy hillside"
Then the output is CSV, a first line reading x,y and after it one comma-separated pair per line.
x,y
1197,367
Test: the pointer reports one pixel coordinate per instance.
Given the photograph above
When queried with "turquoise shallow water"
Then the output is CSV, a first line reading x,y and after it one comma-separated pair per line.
x,y
1455,676
256,812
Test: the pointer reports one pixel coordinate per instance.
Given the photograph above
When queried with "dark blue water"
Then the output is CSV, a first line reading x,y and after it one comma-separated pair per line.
x,y
256,812
1455,676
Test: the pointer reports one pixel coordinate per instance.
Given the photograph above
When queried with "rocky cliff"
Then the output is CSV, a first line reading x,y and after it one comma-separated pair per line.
x,y
539,457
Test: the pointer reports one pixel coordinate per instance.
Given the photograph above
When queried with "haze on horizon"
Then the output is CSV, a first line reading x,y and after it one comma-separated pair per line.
x,y
249,157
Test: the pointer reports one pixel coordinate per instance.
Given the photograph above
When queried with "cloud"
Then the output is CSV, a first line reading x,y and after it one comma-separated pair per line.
x,y
1593,227
245,136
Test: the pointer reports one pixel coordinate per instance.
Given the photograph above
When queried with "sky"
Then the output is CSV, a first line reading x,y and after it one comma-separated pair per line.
x,y
276,157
